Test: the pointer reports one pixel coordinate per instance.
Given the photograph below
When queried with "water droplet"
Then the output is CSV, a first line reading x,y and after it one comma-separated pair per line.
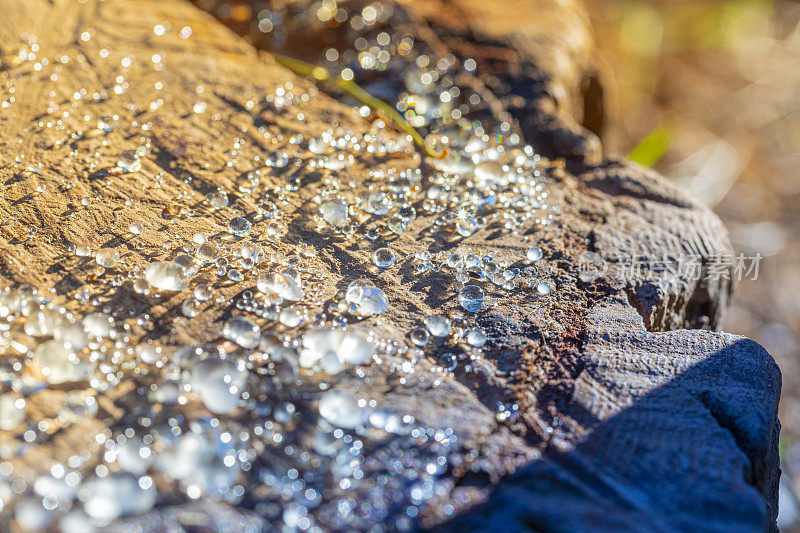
x,y
438,326
129,161
220,383
471,298
242,332
476,337
107,257
203,292
13,409
217,199
290,317
287,287
534,253
419,336
345,347
105,499
166,276
98,325
207,253
190,307
342,410
239,226
58,363
334,212
277,160
148,353
544,288
383,258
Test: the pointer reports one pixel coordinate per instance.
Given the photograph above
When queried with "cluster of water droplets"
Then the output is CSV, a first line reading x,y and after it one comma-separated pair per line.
x,y
280,438
268,415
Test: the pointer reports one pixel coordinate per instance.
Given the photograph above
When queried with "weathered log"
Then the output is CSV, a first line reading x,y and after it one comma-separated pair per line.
x,y
625,420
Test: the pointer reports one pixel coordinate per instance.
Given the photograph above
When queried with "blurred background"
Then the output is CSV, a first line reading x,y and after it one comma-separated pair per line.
x,y
708,93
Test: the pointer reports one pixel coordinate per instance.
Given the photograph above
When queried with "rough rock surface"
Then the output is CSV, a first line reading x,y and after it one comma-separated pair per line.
x,y
626,421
